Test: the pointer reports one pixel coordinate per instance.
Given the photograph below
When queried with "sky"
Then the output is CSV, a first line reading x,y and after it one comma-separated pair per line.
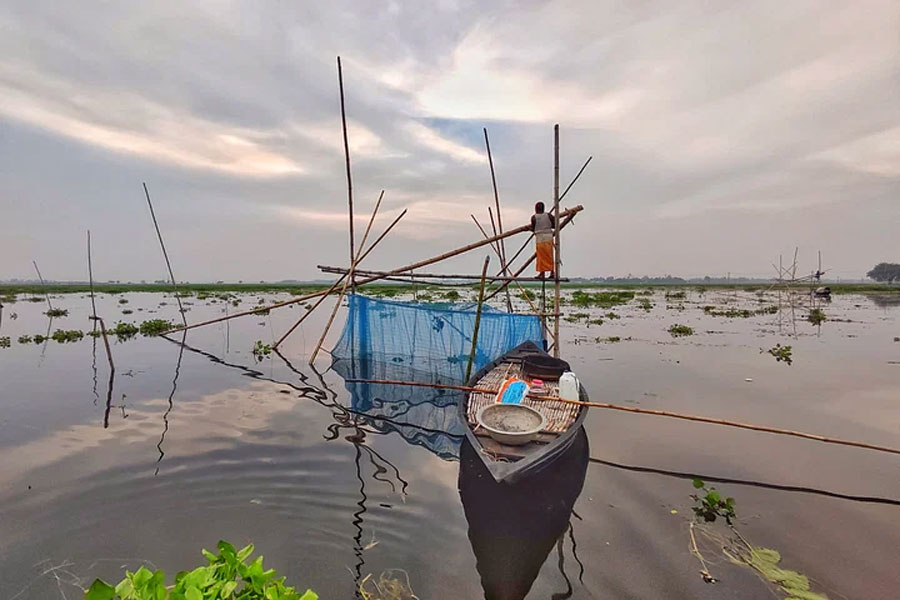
x,y
723,134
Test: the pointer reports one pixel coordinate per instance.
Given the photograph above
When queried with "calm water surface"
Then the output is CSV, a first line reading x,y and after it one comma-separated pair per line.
x,y
202,443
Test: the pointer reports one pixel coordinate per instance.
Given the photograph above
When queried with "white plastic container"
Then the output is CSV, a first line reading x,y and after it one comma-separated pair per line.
x,y
568,386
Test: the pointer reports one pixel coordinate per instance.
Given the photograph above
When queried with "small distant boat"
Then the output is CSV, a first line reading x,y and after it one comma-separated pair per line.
x,y
507,460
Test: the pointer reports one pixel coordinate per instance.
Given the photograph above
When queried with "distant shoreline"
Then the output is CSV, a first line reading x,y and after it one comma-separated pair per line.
x,y
11,289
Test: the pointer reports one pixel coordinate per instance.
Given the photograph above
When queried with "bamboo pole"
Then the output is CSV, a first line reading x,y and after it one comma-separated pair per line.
x,y
487,260
333,287
346,158
556,257
568,213
504,266
43,285
347,280
165,255
644,411
369,273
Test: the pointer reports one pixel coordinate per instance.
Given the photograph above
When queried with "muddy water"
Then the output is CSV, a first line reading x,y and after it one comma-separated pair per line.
x,y
195,444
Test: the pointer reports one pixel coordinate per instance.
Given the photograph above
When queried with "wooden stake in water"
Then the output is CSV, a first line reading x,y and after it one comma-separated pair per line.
x,y
165,256
487,260
556,228
91,279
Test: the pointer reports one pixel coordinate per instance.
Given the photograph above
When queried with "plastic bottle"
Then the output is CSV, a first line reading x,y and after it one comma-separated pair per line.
x,y
568,386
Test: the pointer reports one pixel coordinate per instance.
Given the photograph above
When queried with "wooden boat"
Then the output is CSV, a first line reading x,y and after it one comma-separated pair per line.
x,y
508,463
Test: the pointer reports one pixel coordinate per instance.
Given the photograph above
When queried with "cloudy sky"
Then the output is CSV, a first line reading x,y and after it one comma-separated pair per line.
x,y
723,133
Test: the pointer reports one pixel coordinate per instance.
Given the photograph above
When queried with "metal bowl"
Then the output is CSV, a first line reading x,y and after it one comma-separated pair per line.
x,y
511,424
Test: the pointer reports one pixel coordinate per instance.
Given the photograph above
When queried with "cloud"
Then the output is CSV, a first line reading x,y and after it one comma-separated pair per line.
x,y
231,111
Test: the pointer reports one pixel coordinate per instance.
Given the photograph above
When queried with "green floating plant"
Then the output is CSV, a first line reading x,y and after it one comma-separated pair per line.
x,y
228,576
710,505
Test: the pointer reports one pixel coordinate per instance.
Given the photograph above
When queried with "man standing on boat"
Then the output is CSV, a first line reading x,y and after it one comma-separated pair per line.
x,y
542,224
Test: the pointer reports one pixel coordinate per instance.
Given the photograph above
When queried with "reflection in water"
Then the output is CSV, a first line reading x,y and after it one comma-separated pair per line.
x,y
513,527
162,437
356,422
885,300
422,416
758,484
94,367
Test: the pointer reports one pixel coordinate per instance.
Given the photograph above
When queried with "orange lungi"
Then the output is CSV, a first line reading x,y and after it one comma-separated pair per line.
x,y
544,252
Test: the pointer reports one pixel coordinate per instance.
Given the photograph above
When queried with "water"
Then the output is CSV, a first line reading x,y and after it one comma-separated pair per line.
x,y
206,443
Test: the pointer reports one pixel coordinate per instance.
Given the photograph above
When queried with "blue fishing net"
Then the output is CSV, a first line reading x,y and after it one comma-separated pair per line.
x,y
431,338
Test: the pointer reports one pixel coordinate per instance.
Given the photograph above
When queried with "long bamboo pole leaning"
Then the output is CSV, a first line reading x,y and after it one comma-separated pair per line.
x,y
347,280
321,294
644,411
165,255
556,258
570,212
487,260
342,278
504,266
43,285
411,276
346,157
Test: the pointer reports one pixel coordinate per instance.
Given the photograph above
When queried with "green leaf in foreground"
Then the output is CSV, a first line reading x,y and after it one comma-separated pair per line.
x,y
226,577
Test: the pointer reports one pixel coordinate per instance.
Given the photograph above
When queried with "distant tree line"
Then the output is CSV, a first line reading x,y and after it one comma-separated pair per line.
x,y
888,272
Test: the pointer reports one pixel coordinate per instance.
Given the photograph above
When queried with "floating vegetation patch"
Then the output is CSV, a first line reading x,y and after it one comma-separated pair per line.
x,y
123,300
608,340
575,317
645,304
24,339
4,342
816,316
781,353
8,299
645,293
680,330
738,313
261,351
127,311
262,311
124,331
709,504
228,576
65,336
155,327
612,315
451,296
40,339
57,312
35,299
601,299
765,562
679,295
